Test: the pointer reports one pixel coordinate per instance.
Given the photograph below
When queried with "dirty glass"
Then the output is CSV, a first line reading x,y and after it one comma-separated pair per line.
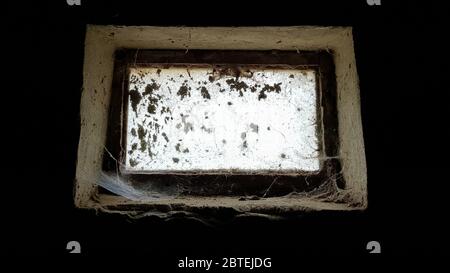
x,y
196,119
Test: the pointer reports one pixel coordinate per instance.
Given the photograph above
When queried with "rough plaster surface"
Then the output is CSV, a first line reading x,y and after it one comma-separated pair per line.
x,y
102,41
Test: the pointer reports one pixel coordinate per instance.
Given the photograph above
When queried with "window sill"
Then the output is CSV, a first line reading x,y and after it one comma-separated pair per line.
x,y
275,206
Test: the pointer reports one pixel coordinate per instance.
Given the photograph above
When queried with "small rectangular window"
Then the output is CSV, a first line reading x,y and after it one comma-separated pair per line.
x,y
235,117
256,119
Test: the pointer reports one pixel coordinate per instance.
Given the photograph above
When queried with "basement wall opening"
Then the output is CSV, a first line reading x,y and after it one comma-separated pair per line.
x,y
218,122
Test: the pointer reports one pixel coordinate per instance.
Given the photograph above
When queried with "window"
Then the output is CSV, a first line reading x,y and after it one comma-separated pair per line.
x,y
238,118
258,119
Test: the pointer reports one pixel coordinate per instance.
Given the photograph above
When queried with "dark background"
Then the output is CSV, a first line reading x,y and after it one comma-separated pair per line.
x,y
400,54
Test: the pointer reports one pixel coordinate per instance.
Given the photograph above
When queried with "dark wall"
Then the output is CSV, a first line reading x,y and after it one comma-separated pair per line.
x,y
399,52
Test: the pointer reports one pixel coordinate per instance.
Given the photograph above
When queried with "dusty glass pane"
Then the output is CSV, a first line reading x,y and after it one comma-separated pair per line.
x,y
197,119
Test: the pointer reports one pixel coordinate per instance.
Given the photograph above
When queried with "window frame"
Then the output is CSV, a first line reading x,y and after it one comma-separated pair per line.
x,y
235,184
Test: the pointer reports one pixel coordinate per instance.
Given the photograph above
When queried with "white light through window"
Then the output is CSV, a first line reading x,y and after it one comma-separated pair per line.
x,y
196,119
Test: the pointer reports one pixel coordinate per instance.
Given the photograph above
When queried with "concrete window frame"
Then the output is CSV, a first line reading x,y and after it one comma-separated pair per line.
x,y
102,42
